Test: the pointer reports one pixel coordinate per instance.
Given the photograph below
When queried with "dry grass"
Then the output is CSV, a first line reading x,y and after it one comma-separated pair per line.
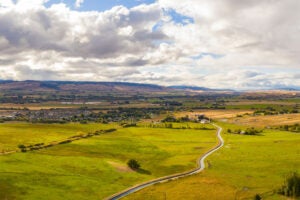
x,y
120,167
215,114
270,120
199,186
244,102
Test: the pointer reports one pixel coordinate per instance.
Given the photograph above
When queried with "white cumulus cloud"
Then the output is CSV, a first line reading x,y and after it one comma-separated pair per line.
x,y
230,44
78,3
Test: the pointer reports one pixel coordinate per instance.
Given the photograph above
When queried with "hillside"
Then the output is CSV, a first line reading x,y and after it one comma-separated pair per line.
x,y
78,87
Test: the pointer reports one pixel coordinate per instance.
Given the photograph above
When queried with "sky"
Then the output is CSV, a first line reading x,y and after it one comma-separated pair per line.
x,y
234,44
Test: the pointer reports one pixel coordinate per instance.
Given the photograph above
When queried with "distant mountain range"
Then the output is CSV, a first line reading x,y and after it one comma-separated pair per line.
x,y
196,88
90,87
79,87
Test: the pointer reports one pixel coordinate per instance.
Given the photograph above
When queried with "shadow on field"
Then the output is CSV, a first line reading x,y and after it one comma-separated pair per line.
x,y
143,171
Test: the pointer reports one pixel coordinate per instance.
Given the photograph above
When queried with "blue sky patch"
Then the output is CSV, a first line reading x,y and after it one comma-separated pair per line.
x,y
212,55
102,5
179,18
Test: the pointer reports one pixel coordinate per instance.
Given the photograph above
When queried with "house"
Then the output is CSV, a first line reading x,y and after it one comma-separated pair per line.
x,y
204,121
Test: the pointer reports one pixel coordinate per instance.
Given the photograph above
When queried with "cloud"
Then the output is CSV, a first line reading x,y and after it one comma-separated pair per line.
x,y
78,3
244,79
230,43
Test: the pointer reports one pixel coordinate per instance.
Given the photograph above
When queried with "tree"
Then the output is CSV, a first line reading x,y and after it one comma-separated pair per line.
x,y
133,164
257,197
21,146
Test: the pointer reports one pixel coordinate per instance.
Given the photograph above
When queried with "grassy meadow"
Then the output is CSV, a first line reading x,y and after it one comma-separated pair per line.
x,y
244,167
13,134
93,168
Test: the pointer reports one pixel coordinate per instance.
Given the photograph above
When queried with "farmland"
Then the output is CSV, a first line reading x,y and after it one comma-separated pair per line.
x,y
149,100
95,168
56,144
248,165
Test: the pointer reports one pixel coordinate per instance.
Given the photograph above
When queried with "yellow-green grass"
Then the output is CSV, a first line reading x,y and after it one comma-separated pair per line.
x,y
246,166
95,168
13,134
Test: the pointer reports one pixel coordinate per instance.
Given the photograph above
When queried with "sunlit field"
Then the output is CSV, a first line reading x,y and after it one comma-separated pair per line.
x,y
246,166
95,168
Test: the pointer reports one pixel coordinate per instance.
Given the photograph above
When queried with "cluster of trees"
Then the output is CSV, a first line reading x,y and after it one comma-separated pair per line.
x,y
169,125
172,118
248,131
33,147
272,111
178,126
291,186
169,118
292,128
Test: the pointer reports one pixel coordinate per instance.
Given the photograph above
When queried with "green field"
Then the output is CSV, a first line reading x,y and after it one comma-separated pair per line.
x,y
246,166
93,168
13,134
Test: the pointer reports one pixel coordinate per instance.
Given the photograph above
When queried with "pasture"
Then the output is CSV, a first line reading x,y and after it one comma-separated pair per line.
x,y
246,166
14,134
94,168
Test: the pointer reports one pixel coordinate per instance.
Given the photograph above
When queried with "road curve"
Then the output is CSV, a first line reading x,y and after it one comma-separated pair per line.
x,y
201,166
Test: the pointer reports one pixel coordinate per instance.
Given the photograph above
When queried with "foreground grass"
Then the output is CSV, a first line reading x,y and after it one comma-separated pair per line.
x,y
247,165
95,168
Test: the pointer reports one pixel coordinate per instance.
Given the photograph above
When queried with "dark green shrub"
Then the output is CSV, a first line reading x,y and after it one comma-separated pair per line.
x,y
133,164
21,146
257,197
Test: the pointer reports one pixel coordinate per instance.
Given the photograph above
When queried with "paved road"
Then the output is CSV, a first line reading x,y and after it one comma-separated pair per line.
x,y
201,166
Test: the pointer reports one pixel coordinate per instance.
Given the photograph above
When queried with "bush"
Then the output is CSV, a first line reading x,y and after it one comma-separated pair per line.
x,y
65,142
21,146
291,187
110,130
133,164
257,197
169,118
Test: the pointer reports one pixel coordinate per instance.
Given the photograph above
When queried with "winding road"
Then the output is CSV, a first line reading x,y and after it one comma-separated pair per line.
x,y
201,166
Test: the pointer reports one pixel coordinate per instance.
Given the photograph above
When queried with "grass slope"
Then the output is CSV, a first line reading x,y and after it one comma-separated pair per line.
x,y
95,168
247,165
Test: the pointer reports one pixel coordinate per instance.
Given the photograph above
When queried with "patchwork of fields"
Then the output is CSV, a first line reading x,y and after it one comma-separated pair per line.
x,y
96,167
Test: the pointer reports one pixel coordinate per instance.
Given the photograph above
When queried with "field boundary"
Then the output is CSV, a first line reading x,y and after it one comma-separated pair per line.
x,y
201,167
